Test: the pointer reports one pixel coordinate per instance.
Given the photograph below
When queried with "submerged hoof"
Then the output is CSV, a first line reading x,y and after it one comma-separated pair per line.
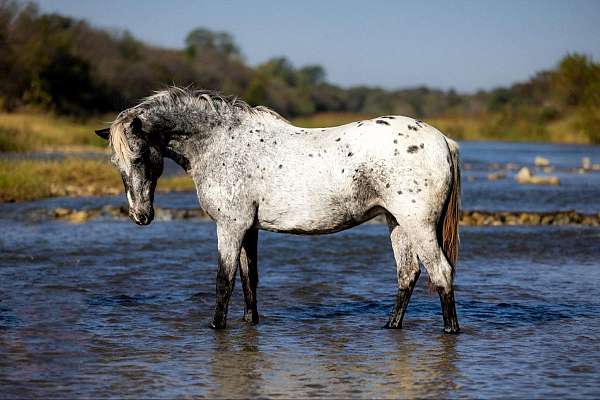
x,y
392,325
452,330
218,325
251,317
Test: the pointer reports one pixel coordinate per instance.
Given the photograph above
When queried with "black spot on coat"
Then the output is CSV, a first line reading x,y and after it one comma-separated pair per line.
x,y
412,149
382,122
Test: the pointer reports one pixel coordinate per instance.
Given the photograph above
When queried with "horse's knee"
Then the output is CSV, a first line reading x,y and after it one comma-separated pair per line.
x,y
407,270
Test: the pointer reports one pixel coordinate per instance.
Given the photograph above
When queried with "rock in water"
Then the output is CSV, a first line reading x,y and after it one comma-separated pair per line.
x,y
541,162
525,177
586,163
494,176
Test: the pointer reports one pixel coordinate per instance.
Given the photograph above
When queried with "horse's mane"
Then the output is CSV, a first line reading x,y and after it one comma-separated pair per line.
x,y
205,100
175,99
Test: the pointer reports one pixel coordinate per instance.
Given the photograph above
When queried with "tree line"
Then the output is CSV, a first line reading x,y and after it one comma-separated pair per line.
x,y
67,66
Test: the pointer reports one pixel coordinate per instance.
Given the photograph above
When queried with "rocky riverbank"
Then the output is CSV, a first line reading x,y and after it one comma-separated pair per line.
x,y
468,218
479,218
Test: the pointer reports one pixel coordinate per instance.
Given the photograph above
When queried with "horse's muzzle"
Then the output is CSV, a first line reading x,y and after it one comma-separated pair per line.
x,y
143,218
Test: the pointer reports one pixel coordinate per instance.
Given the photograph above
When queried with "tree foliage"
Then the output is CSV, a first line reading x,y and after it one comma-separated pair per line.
x,y
65,65
202,40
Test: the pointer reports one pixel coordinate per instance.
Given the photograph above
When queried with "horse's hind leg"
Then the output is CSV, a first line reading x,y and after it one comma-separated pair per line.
x,y
407,267
249,274
441,274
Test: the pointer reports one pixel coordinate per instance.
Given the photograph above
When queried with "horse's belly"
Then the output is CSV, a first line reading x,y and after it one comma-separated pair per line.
x,y
307,226
311,218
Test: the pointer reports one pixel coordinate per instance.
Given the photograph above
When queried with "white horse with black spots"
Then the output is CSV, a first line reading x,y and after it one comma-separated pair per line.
x,y
253,170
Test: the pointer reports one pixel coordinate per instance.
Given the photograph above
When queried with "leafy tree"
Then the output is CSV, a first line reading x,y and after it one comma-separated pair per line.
x,y
574,75
256,92
202,39
311,75
278,68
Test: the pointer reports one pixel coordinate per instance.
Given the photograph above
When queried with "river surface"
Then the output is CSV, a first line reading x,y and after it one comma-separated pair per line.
x,y
110,309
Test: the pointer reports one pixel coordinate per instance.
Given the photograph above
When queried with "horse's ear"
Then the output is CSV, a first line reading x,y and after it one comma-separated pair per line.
x,y
103,133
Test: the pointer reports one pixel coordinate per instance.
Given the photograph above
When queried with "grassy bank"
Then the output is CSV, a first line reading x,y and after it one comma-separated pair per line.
x,y
484,126
22,180
37,131
489,126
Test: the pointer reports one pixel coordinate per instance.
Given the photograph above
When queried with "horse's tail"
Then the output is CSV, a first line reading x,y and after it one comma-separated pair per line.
x,y
448,224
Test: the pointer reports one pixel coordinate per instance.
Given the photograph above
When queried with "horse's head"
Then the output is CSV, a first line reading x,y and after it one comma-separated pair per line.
x,y
139,158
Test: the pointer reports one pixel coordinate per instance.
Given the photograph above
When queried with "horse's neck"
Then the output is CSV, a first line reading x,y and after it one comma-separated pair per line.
x,y
191,148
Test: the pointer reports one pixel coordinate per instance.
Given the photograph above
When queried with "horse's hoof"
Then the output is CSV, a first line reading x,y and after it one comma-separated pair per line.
x,y
390,325
251,318
217,325
451,330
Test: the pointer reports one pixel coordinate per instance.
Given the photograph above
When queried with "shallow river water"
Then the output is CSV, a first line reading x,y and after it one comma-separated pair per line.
x,y
109,309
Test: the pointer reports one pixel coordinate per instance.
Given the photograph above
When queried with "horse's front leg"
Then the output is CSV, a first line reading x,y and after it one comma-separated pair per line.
x,y
229,244
249,274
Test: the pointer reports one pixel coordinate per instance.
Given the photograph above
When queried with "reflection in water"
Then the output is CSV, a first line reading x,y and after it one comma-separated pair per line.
x,y
236,364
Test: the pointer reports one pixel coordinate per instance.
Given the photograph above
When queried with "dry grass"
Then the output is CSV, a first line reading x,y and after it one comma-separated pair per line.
x,y
564,131
179,183
35,131
483,127
34,179
469,127
459,127
22,180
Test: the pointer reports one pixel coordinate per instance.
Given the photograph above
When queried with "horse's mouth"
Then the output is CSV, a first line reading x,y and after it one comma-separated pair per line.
x,y
141,219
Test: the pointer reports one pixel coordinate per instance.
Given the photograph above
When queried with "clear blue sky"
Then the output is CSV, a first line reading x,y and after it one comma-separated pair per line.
x,y
466,45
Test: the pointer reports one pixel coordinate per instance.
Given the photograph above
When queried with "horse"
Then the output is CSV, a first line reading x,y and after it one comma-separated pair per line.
x,y
253,170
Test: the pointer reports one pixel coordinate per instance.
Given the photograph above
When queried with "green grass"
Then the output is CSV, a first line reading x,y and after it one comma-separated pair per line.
x,y
22,180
